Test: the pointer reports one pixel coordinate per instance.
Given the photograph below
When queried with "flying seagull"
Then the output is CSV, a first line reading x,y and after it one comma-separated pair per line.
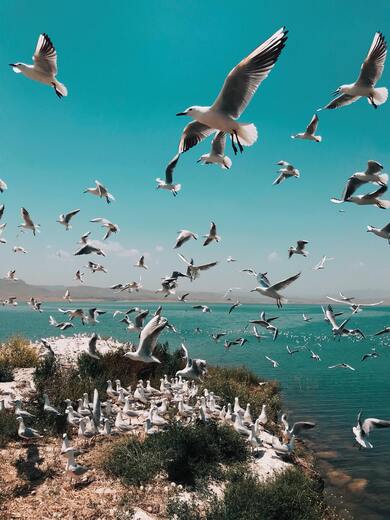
x,y
342,365
309,133
217,153
111,228
266,323
370,72
44,68
274,363
286,172
100,191
65,218
299,250
212,235
321,263
89,249
371,174
366,199
183,297
195,369
272,291
148,341
183,237
363,429
3,186
380,232
167,183
27,222
193,271
141,263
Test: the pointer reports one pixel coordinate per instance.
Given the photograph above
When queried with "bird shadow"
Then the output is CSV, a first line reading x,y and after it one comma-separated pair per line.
x,y
28,469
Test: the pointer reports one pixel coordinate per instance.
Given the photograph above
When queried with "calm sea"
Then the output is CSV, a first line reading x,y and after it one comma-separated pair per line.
x,y
311,391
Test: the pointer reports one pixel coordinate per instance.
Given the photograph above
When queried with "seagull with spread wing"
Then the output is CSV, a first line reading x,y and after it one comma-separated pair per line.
x,y
299,249
370,73
184,236
194,369
309,133
100,191
380,232
212,235
367,199
272,291
111,228
217,153
65,218
363,429
44,68
287,171
148,341
193,271
27,222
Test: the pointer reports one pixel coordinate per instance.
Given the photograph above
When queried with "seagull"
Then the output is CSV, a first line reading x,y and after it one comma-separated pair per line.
x,y
386,330
67,296
212,235
3,187
148,341
96,267
371,174
370,72
62,326
44,68
27,222
141,263
369,355
228,259
79,276
249,271
11,275
294,351
297,427
183,297
167,184
234,306
195,369
3,240
306,318
313,355
217,153
363,429
19,249
342,365
65,218
237,91
184,236
47,406
266,324
340,330
256,333
366,199
380,232
111,228
25,432
309,133
203,308
229,292
287,171
193,271
100,191
84,238
321,263
271,291
357,307
2,209
218,335
299,250
93,314
89,249
274,363
92,352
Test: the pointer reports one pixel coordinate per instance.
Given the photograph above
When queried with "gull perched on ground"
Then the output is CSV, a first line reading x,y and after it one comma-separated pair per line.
x,y
217,153
299,249
65,218
272,291
380,232
195,369
89,249
363,429
141,263
44,68
366,199
25,432
193,271
100,191
287,171
47,406
321,263
274,363
183,237
111,228
148,341
370,72
309,133
212,235
27,222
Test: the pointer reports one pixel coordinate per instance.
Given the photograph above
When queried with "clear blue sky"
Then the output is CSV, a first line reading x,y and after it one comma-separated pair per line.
x,y
129,67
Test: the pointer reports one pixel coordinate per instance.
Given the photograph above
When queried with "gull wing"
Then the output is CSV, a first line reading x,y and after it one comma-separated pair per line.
x,y
45,55
341,101
370,304
26,217
184,259
336,300
243,81
386,229
298,427
71,214
193,134
352,185
373,65
279,179
204,267
372,423
301,244
285,283
186,356
170,169
263,280
149,335
373,167
218,144
312,126
329,314
376,194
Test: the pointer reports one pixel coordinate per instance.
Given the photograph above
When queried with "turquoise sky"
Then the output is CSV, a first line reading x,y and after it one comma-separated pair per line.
x,y
129,67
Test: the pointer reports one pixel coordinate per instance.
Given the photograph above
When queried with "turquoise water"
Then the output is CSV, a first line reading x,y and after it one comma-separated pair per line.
x,y
311,391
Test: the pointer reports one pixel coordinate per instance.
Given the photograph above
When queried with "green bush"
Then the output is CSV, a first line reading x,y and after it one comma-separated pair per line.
x,y
6,372
17,352
188,454
8,428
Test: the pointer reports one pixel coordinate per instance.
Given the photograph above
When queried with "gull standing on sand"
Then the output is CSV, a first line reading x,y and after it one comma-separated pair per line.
x,y
299,250
184,236
148,341
141,263
363,429
287,171
111,228
44,68
238,89
217,153
212,235
380,232
27,222
100,191
309,133
25,432
65,218
272,291
370,73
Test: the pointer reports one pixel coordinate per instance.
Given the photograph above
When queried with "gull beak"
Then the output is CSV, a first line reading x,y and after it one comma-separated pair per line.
x,y
181,114
12,65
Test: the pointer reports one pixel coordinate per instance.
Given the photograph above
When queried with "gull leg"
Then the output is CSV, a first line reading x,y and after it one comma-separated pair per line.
x,y
238,142
233,145
373,102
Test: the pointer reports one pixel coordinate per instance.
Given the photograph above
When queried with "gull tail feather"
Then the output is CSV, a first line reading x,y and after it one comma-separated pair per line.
x,y
383,204
227,163
247,134
60,88
380,96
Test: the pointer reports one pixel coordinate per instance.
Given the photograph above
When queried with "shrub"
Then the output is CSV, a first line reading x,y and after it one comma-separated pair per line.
x,y
229,383
8,428
188,454
6,373
17,352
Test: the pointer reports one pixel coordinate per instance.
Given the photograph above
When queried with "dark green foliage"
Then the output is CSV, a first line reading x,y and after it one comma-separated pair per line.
x,y
288,496
188,454
6,373
8,428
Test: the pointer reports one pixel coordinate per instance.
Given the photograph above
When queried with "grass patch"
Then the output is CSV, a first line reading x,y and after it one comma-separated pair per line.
x,y
189,455
8,428
16,352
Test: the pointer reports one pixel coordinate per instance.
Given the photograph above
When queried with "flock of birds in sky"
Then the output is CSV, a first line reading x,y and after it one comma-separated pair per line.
x,y
146,407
